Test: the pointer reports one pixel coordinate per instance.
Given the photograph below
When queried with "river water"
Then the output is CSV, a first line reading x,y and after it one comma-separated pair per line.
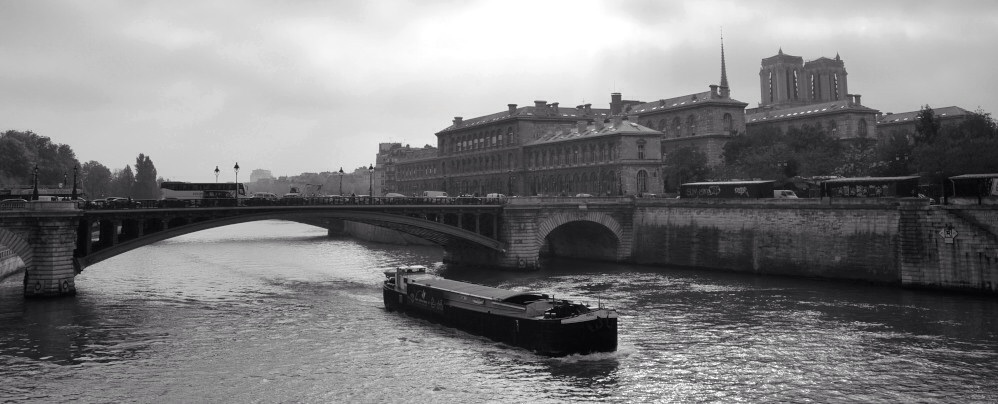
x,y
277,312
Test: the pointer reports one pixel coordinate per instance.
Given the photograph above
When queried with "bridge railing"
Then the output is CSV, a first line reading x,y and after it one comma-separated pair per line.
x,y
296,201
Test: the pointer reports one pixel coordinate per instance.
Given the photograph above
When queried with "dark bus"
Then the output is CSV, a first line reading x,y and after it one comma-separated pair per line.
x,y
727,189
871,187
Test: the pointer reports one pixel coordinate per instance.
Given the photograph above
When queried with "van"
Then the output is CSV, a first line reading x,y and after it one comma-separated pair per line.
x,y
784,194
434,194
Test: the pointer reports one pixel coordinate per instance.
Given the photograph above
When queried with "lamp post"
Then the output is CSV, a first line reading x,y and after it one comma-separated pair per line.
x,y
34,192
216,174
370,190
236,167
73,196
65,179
341,180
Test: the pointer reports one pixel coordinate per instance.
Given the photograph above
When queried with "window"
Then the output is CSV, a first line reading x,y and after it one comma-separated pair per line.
x,y
642,181
661,125
641,152
691,122
862,128
678,124
727,123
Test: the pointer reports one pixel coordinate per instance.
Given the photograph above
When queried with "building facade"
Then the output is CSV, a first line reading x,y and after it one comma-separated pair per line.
x,y
903,123
546,149
794,94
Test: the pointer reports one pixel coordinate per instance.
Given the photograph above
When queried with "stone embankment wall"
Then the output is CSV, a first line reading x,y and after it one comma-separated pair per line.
x,y
808,237
949,247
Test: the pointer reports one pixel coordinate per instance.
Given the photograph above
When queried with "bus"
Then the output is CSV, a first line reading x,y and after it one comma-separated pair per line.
x,y
199,190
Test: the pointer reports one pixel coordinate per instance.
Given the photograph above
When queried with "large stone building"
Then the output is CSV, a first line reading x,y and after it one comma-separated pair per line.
x,y
794,94
904,123
546,149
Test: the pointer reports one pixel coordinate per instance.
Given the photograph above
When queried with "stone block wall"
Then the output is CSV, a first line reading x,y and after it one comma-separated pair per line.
x,y
949,247
805,238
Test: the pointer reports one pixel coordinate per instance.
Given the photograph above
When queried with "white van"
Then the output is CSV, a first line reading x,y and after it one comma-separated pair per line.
x,y
784,194
434,194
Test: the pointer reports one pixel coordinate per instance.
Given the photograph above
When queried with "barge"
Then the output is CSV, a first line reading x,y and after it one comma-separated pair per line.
x,y
529,320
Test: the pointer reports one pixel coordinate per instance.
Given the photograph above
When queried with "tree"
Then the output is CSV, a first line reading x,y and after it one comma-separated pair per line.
x,y
967,148
95,180
21,152
687,164
145,186
123,182
926,125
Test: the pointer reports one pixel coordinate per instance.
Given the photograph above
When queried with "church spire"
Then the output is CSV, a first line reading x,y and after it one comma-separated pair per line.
x,y
724,70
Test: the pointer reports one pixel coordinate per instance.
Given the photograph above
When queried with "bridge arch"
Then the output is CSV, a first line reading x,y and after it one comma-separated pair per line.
x,y
594,235
435,232
18,245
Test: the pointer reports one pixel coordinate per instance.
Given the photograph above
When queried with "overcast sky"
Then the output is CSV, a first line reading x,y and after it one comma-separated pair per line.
x,y
312,86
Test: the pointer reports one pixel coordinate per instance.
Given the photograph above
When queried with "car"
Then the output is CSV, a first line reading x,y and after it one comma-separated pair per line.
x,y
394,195
583,195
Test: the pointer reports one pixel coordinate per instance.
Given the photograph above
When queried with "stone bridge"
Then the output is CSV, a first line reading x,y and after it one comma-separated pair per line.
x,y
56,240
903,241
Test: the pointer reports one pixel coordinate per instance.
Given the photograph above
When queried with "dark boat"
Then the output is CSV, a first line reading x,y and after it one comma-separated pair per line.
x,y
530,320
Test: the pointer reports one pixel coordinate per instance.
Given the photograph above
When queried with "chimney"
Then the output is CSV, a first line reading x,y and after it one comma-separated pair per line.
x,y
661,103
457,121
512,108
617,121
540,107
713,91
554,105
589,109
857,99
615,103
599,124
582,126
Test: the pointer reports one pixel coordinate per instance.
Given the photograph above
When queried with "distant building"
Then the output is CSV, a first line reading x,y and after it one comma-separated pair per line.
x,y
794,94
904,123
259,174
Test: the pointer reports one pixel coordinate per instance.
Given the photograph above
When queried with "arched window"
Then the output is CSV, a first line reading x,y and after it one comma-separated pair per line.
x,y
678,124
661,125
642,181
691,124
727,123
862,127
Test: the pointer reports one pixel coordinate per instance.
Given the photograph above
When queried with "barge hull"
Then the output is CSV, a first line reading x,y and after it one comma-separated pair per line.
x,y
548,337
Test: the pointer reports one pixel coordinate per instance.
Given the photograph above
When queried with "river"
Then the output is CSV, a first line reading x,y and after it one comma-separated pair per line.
x,y
278,312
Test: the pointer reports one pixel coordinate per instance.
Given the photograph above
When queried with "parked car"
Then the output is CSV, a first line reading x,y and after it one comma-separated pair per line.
x,y
583,195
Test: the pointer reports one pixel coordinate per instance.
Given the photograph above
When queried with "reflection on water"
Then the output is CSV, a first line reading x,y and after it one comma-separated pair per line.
x,y
277,312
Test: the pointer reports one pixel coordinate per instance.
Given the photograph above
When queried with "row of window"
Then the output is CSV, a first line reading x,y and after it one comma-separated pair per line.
x,y
572,155
677,129
480,140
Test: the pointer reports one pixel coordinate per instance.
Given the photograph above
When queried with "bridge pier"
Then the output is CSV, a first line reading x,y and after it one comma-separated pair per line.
x,y
51,272
44,236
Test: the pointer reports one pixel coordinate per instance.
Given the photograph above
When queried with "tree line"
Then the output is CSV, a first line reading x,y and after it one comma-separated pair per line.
x,y
22,151
932,150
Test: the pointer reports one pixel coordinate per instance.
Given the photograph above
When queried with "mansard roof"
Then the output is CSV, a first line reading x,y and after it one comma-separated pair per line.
x,y
617,127
904,117
681,102
528,112
824,108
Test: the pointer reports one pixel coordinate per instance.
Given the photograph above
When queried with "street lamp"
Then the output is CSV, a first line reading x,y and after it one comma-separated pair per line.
x,y
34,193
75,169
341,181
370,190
216,174
237,182
65,179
